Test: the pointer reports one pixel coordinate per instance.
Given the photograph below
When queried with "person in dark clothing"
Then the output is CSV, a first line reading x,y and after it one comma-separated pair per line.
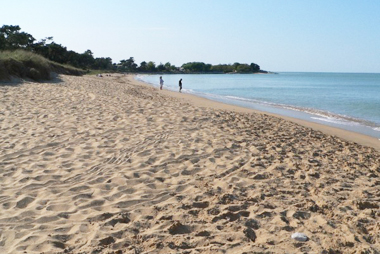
x,y
180,85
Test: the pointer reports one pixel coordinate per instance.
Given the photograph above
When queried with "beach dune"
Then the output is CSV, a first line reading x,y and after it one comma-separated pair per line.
x,y
111,165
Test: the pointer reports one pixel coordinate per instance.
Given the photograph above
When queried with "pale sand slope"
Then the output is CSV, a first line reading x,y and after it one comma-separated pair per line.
x,y
107,165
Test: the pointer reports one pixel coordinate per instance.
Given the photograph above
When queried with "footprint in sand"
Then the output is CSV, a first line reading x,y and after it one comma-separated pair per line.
x,y
92,96
24,202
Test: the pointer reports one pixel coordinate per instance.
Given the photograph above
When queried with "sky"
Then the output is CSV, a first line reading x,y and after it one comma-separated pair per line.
x,y
278,35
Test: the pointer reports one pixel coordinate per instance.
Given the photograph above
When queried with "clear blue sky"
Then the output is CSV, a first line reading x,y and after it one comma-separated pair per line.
x,y
279,35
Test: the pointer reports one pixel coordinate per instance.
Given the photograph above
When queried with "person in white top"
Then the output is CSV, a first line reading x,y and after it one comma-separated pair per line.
x,y
161,82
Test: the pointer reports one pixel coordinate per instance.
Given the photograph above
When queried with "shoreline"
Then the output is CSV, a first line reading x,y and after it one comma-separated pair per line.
x,y
208,103
339,117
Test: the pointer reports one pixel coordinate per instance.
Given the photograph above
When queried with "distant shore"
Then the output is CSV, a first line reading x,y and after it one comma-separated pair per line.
x,y
186,73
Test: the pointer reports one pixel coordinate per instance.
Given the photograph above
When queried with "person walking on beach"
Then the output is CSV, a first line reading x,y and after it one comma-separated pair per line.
x,y
180,85
161,82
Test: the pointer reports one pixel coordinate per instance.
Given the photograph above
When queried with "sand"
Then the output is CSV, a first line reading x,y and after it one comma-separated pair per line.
x,y
110,165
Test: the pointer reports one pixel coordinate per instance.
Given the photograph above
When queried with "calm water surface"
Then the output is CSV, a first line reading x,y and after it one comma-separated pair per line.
x,y
349,101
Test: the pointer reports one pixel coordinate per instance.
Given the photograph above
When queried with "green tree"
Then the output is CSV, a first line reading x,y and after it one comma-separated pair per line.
x,y
86,59
102,63
235,66
160,67
56,52
197,67
41,48
143,66
169,67
243,68
151,66
255,67
72,58
225,68
11,38
129,64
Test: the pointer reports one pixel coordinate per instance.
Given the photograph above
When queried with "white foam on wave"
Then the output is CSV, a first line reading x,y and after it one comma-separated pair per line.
x,y
254,101
184,90
237,98
325,116
335,121
320,115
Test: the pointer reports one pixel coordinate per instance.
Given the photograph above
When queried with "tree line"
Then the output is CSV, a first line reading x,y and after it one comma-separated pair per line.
x,y
12,38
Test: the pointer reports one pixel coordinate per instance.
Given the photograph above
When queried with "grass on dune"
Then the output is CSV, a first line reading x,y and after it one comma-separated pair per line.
x,y
25,64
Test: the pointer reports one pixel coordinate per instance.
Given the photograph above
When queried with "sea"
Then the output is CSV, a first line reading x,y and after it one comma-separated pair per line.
x,y
349,101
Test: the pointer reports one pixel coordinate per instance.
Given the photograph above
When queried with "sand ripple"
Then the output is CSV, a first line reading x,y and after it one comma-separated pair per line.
x,y
106,165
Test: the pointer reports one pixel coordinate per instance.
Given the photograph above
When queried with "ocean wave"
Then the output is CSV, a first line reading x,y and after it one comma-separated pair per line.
x,y
316,114
253,101
319,115
336,121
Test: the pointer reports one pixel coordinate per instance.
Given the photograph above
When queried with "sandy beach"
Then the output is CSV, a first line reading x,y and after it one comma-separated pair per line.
x,y
111,165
